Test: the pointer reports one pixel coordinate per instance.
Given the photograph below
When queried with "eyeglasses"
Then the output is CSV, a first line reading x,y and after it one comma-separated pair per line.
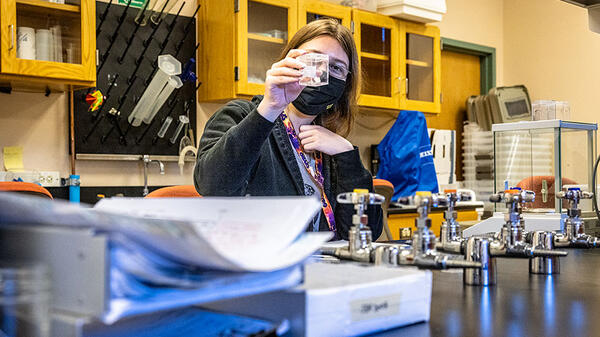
x,y
338,71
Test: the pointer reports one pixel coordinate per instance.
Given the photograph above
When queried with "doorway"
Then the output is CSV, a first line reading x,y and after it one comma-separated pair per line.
x,y
467,69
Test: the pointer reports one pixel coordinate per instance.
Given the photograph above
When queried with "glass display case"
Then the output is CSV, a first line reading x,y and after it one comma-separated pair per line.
x,y
545,157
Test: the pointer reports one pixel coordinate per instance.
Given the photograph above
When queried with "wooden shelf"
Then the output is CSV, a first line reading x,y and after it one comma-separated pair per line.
x,y
375,56
418,63
258,37
44,5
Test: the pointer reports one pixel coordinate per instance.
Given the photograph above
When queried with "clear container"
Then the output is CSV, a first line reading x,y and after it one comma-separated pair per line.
x,y
25,300
548,109
316,72
534,155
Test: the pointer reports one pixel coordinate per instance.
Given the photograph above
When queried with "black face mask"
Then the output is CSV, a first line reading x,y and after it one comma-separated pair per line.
x,y
314,100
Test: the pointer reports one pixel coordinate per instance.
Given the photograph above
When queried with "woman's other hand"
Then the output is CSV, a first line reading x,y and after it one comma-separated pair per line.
x,y
317,138
281,85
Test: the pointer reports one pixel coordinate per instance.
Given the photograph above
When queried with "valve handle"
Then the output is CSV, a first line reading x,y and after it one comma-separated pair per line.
x,y
360,196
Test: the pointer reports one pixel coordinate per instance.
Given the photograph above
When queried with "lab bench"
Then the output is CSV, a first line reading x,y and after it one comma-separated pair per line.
x,y
521,304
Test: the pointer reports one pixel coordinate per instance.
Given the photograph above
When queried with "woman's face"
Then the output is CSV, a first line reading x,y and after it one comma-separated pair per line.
x,y
338,60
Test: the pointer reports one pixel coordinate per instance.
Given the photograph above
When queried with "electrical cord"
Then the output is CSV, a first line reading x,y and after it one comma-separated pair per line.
x,y
594,197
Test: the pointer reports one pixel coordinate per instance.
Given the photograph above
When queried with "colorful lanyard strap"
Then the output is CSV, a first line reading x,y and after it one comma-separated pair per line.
x,y
316,174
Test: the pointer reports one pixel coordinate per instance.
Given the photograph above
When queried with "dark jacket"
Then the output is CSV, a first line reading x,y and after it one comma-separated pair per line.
x,y
242,153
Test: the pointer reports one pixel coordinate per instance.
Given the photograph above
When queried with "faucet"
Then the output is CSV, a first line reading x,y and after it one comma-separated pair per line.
x,y
421,253
147,161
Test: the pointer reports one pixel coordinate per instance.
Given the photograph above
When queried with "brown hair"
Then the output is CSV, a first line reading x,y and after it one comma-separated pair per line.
x,y
340,118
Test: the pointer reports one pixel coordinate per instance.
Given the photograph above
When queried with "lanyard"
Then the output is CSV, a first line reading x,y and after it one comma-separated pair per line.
x,y
315,174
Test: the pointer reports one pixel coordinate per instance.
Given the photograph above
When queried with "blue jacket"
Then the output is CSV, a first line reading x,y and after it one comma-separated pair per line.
x,y
405,157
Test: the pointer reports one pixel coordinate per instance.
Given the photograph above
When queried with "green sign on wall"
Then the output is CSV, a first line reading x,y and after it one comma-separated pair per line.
x,y
134,3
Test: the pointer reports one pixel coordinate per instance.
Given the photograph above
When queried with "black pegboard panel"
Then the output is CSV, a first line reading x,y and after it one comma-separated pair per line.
x,y
98,132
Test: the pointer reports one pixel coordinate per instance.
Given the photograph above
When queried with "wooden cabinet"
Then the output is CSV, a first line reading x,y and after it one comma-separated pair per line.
x,y
420,67
263,29
311,10
65,53
240,41
377,41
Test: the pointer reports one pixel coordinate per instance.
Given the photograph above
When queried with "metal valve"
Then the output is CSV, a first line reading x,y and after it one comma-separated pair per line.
x,y
360,236
573,234
450,234
361,249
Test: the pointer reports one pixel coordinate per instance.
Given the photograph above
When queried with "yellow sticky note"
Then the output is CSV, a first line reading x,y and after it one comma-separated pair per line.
x,y
13,158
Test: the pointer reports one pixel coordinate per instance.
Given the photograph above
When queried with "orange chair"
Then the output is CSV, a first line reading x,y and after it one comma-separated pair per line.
x,y
180,191
385,188
536,184
26,188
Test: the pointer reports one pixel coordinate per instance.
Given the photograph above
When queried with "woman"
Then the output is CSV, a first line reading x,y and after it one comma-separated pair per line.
x,y
291,141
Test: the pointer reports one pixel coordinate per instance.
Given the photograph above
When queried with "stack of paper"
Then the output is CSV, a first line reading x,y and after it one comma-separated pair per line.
x,y
344,299
167,253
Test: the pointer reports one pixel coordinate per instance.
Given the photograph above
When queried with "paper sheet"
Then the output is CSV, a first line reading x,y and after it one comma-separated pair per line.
x,y
253,234
13,158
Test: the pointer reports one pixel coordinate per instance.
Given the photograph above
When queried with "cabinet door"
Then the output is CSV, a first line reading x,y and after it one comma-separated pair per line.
x,y
421,67
311,10
57,41
376,39
263,29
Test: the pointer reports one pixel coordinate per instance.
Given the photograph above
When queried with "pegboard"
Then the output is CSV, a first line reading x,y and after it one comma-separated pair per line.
x,y
127,56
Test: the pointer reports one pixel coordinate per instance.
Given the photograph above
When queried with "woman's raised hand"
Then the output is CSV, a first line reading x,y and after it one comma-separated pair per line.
x,y
281,85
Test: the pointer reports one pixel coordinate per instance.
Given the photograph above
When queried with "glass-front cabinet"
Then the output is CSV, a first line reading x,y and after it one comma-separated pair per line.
x,y
420,67
264,27
311,10
400,61
376,38
48,43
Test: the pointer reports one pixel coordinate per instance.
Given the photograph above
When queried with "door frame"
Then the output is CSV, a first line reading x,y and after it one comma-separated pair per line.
x,y
487,57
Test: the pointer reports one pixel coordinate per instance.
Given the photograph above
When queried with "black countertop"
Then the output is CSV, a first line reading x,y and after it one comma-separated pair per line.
x,y
520,304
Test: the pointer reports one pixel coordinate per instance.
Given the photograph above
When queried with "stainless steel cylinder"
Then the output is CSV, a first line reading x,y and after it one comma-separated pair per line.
x,y
544,265
386,255
478,250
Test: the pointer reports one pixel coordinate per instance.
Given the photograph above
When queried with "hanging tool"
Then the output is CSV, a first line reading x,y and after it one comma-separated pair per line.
x,y
183,121
146,44
164,125
113,37
164,44
122,100
175,102
99,111
159,90
140,18
156,17
113,83
94,99
102,18
130,39
186,31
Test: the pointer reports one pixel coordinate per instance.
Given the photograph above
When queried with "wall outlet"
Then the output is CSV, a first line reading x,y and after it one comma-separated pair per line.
x,y
50,178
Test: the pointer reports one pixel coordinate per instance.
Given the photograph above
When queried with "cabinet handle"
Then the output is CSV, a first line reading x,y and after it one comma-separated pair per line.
x,y
398,84
12,36
406,85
